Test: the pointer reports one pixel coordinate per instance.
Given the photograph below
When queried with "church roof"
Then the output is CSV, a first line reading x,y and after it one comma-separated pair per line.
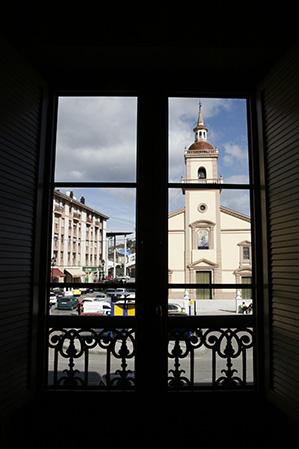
x,y
202,146
176,212
234,213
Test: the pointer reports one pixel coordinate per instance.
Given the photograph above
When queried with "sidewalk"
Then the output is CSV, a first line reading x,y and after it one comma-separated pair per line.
x,y
211,306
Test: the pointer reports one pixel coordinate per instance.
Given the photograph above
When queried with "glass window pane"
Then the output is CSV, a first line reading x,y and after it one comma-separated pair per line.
x,y
96,139
100,358
204,356
93,235
209,301
205,131
208,230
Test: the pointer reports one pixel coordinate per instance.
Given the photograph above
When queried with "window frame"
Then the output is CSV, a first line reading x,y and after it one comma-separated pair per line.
x,y
148,193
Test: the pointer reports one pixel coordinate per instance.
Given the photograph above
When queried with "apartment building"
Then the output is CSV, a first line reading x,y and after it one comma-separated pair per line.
x,y
78,240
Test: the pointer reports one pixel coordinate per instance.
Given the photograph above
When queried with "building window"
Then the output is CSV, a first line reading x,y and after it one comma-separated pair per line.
x,y
246,253
202,244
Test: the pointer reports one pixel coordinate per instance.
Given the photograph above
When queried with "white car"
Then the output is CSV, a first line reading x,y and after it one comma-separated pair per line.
x,y
121,293
95,305
53,300
175,309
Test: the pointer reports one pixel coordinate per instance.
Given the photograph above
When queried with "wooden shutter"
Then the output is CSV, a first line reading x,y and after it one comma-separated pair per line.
x,y
280,108
20,93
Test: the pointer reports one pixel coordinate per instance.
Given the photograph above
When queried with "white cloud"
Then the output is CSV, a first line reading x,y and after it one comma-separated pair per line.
x,y
96,139
234,153
237,179
182,119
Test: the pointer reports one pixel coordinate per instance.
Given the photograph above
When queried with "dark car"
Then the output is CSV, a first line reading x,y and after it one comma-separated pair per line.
x,y
67,303
110,292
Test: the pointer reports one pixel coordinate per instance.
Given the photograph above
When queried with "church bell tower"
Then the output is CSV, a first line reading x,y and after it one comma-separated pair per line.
x,y
202,211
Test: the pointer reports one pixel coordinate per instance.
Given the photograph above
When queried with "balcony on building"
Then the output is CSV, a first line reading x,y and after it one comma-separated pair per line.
x,y
58,209
76,216
218,180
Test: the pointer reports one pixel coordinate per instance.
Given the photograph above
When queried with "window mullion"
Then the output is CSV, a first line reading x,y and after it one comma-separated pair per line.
x,y
151,241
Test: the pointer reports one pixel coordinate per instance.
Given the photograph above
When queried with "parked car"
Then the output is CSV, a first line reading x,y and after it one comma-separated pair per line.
x,y
95,306
76,292
110,291
130,294
121,293
68,293
122,279
53,300
176,309
100,295
97,295
67,303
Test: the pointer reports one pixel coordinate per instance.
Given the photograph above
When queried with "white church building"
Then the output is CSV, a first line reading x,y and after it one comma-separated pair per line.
x,y
208,243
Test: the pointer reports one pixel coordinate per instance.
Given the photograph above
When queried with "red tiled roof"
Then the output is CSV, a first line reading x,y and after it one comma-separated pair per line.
x,y
201,146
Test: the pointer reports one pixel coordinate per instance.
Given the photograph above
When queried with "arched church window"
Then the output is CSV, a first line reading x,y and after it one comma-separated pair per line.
x,y
202,174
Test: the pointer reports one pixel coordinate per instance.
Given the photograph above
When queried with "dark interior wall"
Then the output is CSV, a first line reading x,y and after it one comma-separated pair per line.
x,y
280,108
224,69
21,94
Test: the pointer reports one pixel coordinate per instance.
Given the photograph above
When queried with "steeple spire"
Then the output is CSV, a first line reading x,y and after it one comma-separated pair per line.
x,y
201,131
200,121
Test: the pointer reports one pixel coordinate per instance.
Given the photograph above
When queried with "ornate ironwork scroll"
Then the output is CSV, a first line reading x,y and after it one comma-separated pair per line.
x,y
229,345
75,345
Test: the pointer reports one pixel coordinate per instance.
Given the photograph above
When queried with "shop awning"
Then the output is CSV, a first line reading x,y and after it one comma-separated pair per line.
x,y
75,272
56,273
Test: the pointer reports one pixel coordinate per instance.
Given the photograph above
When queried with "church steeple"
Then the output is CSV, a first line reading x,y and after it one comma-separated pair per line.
x,y
200,144
201,131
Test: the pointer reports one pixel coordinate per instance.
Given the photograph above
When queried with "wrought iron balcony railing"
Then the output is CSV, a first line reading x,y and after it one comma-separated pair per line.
x,y
215,352
99,353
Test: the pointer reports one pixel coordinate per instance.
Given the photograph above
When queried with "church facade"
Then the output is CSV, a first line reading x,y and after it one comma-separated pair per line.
x,y
208,243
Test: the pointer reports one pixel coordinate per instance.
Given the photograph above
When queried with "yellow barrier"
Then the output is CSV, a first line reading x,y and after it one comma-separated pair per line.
x,y
123,308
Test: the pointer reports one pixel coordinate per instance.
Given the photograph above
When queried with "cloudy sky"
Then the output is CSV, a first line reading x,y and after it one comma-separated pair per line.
x,y
226,120
96,141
